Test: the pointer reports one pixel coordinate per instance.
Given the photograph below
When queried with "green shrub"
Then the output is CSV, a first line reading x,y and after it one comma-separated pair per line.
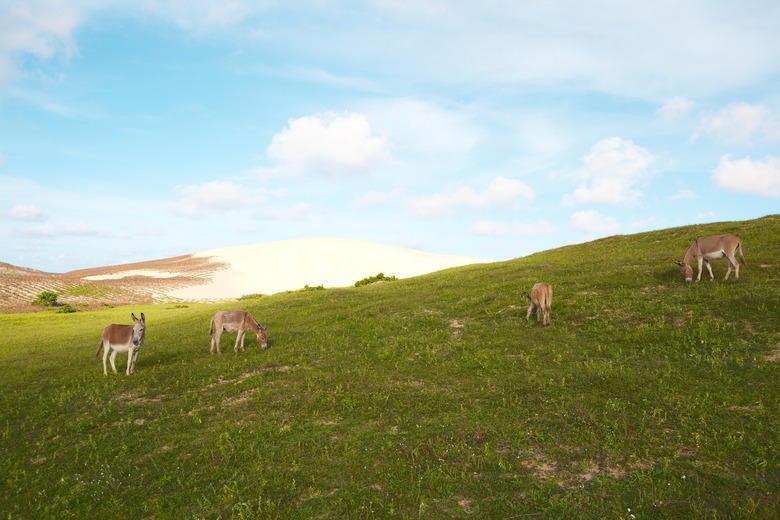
x,y
373,279
46,299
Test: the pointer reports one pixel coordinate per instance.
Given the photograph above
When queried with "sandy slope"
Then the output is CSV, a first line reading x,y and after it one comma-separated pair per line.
x,y
223,273
293,264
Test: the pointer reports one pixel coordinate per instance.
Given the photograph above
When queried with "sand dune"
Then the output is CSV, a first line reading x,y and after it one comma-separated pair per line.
x,y
293,264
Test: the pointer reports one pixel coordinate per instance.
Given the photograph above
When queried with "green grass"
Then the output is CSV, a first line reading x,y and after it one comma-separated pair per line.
x,y
429,397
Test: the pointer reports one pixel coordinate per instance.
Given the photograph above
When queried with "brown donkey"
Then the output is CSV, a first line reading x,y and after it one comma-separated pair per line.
x,y
541,301
704,249
123,338
236,321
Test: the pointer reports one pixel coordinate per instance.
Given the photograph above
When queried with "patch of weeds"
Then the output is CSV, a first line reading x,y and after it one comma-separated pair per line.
x,y
374,279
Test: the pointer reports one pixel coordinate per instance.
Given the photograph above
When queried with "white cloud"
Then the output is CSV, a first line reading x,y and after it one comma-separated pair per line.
x,y
207,13
740,123
684,194
199,200
27,212
418,126
676,108
611,172
330,144
749,176
593,223
41,28
500,192
70,229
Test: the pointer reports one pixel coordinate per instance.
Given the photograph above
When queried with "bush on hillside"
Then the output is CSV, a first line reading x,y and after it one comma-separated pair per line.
x,y
373,279
46,299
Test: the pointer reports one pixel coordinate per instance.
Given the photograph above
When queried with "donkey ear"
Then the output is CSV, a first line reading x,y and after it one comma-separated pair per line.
x,y
132,315
143,318
678,263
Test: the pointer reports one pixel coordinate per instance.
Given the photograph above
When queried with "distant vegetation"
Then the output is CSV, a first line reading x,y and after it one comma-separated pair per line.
x,y
49,299
46,299
429,397
373,279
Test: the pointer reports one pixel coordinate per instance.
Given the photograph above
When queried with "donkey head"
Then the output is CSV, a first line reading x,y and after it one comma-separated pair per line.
x,y
139,329
262,336
686,270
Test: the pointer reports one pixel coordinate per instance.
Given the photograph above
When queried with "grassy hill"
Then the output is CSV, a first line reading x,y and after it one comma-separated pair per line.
x,y
428,397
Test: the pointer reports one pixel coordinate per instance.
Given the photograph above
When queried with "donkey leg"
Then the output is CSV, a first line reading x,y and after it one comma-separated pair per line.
x,y
112,358
217,337
239,337
530,311
106,351
132,355
732,265
709,268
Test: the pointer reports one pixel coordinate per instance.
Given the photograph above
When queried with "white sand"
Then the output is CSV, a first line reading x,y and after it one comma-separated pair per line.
x,y
293,264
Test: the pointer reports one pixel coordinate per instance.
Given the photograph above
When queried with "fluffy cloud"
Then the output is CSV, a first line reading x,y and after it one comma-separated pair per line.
x,y
749,176
593,223
199,200
330,144
64,229
676,108
742,123
684,194
26,212
611,172
500,192
40,28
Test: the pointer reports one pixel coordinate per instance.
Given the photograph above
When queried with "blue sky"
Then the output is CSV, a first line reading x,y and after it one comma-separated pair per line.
x,y
140,130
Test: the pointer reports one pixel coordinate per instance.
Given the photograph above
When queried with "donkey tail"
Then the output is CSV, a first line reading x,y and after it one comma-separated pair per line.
x,y
99,347
742,256
544,301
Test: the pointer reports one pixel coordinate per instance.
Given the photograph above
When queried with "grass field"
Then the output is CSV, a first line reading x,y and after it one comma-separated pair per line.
x,y
428,397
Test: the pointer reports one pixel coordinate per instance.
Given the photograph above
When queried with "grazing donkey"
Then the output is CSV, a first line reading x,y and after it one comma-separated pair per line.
x,y
541,301
123,338
705,249
236,321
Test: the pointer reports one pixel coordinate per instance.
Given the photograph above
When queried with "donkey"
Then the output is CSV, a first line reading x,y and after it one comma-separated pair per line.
x,y
541,301
709,248
236,321
123,338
